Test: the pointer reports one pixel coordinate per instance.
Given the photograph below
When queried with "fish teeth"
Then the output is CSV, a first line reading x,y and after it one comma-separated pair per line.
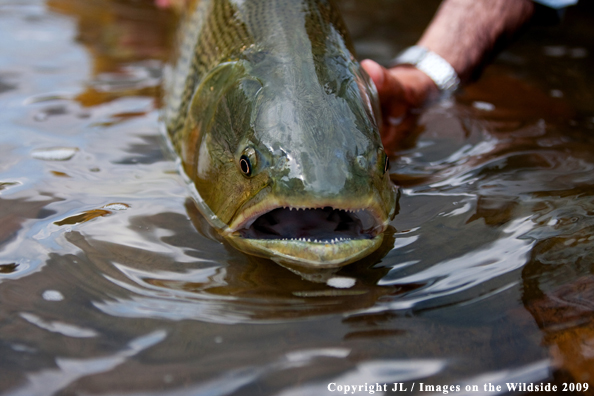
x,y
333,241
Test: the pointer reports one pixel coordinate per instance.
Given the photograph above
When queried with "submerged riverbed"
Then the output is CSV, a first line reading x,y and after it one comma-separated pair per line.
x,y
111,283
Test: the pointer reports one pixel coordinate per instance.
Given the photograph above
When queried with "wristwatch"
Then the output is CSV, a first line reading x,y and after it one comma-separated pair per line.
x,y
437,68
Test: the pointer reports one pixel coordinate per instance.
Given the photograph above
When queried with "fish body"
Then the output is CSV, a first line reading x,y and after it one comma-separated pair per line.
x,y
275,124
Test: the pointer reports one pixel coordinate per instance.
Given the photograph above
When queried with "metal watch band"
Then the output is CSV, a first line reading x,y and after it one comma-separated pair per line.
x,y
437,68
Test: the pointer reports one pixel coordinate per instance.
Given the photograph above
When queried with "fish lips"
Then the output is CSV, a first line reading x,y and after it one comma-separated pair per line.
x,y
325,236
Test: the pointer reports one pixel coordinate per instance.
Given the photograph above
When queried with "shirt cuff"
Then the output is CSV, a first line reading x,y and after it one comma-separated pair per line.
x,y
556,4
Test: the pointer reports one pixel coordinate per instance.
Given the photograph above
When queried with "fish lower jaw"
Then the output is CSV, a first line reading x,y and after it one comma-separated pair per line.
x,y
307,252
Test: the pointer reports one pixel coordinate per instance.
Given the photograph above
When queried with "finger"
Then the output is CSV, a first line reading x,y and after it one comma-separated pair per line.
x,y
387,85
163,3
374,71
177,4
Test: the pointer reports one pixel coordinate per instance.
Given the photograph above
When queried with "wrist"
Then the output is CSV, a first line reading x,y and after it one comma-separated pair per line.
x,y
434,66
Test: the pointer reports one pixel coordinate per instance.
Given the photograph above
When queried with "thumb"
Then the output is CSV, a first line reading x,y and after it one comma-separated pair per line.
x,y
375,72
388,87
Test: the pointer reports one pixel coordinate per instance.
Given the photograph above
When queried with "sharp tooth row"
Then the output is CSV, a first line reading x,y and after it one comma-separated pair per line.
x,y
344,210
332,241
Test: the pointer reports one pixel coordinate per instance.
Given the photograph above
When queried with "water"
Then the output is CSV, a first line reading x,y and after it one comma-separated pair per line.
x,y
111,283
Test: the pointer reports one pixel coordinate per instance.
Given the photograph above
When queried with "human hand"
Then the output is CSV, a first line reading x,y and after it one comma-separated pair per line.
x,y
401,90
171,3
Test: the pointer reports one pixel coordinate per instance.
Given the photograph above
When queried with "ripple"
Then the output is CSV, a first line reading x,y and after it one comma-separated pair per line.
x,y
55,153
8,268
52,295
446,280
341,282
87,215
117,206
66,329
69,370
371,372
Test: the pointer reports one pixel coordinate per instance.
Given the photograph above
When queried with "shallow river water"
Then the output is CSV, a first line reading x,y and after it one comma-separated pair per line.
x,y
112,284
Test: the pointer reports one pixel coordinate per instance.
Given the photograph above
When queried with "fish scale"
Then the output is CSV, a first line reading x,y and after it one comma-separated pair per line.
x,y
212,33
209,35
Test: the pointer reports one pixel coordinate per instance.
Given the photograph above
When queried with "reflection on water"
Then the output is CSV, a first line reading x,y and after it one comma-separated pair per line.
x,y
112,283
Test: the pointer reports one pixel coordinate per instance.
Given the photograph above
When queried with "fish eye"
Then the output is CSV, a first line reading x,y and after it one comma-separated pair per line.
x,y
248,161
245,165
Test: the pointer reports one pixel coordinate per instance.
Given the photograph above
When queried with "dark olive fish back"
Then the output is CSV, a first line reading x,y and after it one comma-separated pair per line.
x,y
216,31
209,33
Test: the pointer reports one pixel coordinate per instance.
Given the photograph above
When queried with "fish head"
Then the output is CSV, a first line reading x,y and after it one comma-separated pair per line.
x,y
292,170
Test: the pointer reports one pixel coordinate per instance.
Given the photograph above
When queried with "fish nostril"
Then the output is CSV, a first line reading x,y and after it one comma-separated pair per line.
x,y
361,161
386,164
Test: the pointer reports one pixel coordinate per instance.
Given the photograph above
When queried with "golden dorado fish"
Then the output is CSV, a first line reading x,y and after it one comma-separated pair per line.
x,y
276,126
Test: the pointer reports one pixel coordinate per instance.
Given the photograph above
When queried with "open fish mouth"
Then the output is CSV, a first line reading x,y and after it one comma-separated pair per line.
x,y
317,225
322,237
